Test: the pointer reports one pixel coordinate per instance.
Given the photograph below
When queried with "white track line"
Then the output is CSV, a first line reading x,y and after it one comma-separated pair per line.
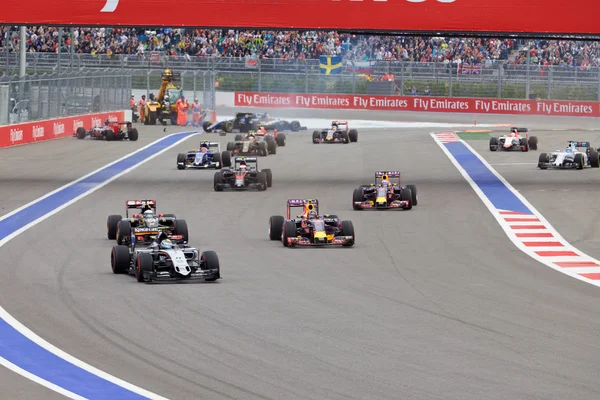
x,y
37,339
534,238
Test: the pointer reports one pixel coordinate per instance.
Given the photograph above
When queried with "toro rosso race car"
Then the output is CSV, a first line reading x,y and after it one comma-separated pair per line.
x,y
252,145
571,157
385,194
310,228
244,176
110,131
166,258
515,140
145,224
338,133
208,156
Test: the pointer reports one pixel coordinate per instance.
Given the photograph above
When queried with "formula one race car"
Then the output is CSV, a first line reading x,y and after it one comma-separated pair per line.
x,y
336,134
279,138
310,228
571,157
252,145
384,194
243,122
281,125
244,176
166,258
514,141
145,225
110,131
208,156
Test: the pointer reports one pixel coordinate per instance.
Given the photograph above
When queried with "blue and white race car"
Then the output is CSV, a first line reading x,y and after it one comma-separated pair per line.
x,y
207,157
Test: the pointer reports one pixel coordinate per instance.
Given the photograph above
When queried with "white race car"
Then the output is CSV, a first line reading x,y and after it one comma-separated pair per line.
x,y
514,141
571,157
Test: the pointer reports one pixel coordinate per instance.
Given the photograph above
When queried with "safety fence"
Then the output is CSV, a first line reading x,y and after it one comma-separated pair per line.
x,y
45,96
492,79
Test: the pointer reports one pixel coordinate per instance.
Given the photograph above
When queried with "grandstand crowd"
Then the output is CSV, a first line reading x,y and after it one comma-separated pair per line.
x,y
303,45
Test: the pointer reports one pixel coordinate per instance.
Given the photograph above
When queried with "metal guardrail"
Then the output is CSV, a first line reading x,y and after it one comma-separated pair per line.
x,y
45,96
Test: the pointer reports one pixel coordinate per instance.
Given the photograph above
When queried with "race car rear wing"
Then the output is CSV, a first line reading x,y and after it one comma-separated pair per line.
x,y
247,159
140,204
391,174
307,204
520,130
579,144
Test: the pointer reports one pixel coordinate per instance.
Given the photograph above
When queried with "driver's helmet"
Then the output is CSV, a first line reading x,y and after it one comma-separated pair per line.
x,y
203,147
166,244
251,136
148,214
334,127
243,165
385,183
311,215
262,129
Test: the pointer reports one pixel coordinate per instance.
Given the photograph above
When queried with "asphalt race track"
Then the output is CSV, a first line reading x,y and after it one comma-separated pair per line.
x,y
432,303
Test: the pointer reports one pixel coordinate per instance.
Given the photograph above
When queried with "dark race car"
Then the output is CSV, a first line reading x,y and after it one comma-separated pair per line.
x,y
251,145
208,156
310,228
384,194
110,131
145,224
338,133
281,125
244,176
166,258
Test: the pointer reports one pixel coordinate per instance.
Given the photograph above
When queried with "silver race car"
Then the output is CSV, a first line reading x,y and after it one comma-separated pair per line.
x,y
167,258
571,157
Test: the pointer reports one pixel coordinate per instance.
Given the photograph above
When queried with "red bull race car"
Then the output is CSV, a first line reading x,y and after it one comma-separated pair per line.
x,y
310,228
385,194
339,132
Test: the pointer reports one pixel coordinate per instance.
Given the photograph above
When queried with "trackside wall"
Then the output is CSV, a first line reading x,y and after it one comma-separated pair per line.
x,y
32,132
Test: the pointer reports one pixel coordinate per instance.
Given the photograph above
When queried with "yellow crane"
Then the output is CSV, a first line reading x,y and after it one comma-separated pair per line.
x,y
154,106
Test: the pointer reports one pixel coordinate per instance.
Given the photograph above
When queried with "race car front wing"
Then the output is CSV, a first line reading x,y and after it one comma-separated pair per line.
x,y
396,204
336,241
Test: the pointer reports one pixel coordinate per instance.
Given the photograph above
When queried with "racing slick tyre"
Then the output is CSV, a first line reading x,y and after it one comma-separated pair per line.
x,y
119,259
226,158
353,135
230,146
271,146
218,180
228,126
276,227
123,231
524,144
348,230
206,125
493,144
110,135
262,149
111,226
217,159
181,159
594,159
578,161
211,261
280,139
289,230
345,137
238,138
269,177
542,160
413,194
143,265
133,135
357,196
406,195
181,228
262,180
533,142
80,133
295,126
316,136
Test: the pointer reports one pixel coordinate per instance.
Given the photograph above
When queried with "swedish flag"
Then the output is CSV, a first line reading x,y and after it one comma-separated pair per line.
x,y
330,65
